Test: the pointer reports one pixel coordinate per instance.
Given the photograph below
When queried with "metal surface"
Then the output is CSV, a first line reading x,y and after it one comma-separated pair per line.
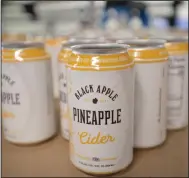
x,y
110,48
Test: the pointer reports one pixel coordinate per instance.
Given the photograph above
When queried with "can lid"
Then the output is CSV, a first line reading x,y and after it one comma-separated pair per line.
x,y
143,44
100,49
22,45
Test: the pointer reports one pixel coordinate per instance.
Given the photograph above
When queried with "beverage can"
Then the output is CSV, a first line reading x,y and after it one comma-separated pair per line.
x,y
100,93
150,116
178,82
27,98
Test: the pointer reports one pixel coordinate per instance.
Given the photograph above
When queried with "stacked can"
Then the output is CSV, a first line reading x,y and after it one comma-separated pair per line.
x,y
178,82
27,98
100,90
151,63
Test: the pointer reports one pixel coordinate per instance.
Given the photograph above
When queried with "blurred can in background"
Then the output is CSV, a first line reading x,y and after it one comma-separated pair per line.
x,y
151,65
27,96
178,82
53,47
13,37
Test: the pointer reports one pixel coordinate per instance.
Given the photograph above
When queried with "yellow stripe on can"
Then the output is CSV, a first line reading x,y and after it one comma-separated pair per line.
x,y
177,48
146,51
23,52
100,62
64,55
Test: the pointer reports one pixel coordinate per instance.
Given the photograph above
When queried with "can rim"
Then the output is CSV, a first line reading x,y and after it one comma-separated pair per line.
x,y
143,44
22,45
100,49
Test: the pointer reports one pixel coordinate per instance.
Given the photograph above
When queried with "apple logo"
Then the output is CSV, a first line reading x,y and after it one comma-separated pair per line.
x,y
95,100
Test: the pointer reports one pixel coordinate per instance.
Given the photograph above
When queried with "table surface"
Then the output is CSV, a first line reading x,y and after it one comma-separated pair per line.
x,y
51,159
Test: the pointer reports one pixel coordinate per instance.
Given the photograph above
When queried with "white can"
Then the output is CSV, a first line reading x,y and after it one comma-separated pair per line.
x,y
150,91
178,83
100,93
64,55
27,96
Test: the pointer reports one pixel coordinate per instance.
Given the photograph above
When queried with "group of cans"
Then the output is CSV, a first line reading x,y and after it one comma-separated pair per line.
x,y
114,95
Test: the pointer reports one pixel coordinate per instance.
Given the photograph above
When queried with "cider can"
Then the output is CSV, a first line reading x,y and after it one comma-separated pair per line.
x,y
178,82
151,65
27,96
100,93
64,55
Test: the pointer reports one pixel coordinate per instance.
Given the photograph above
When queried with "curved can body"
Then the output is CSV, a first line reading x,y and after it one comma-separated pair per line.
x,y
178,84
150,116
100,93
64,113
27,98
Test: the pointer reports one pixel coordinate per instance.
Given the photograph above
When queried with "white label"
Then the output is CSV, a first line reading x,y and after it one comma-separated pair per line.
x,y
177,91
150,104
28,102
15,103
64,119
101,118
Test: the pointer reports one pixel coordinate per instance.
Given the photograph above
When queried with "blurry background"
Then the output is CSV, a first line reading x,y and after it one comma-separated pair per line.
x,y
94,18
